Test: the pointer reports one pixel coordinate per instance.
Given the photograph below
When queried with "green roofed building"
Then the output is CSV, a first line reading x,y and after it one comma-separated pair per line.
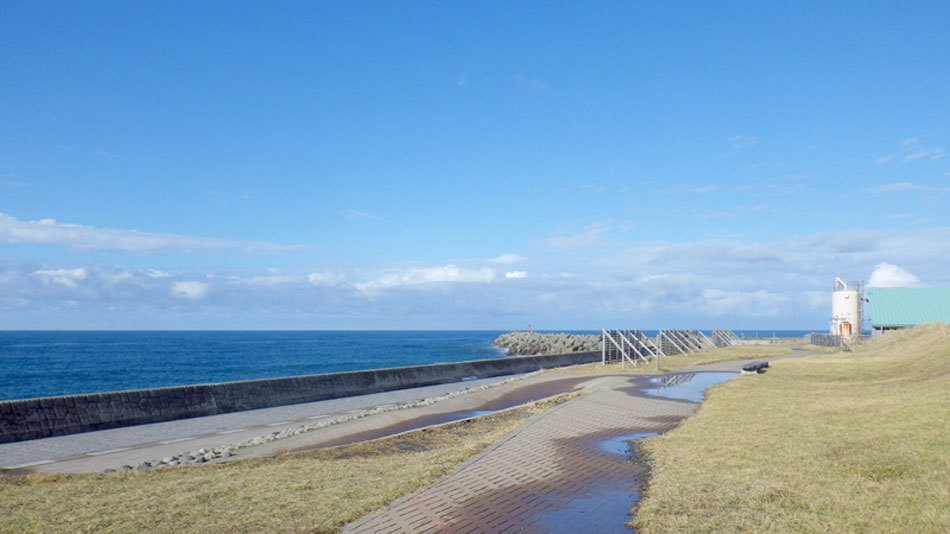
x,y
899,307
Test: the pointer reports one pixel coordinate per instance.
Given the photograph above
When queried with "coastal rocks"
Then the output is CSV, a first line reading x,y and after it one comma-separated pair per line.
x,y
190,458
533,343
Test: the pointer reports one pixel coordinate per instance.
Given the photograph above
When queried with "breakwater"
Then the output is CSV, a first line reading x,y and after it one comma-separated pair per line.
x,y
55,416
524,342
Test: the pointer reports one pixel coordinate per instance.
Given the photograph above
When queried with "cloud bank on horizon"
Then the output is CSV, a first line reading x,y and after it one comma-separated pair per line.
x,y
887,275
445,166
662,284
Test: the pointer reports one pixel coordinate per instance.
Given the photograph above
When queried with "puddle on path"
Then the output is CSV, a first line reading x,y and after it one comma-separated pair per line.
x,y
685,386
603,509
605,485
519,394
621,444
605,506
450,417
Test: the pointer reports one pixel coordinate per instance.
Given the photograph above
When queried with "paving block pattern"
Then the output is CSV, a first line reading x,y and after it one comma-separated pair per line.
x,y
556,473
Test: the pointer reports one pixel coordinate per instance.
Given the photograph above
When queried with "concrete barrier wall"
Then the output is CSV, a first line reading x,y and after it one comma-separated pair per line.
x,y
56,416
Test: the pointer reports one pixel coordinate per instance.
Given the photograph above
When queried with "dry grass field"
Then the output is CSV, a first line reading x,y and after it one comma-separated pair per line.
x,y
844,442
683,361
309,492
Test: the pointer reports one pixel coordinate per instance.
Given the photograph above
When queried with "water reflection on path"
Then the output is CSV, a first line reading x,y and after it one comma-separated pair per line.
x,y
605,507
685,386
621,444
602,510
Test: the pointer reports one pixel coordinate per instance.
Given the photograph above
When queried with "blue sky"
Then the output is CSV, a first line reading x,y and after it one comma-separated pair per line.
x,y
479,165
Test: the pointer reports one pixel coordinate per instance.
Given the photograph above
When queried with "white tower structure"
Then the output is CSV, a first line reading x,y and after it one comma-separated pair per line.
x,y
846,309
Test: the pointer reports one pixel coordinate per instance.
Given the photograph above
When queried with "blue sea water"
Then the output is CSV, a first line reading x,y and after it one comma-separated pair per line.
x,y
50,363
47,363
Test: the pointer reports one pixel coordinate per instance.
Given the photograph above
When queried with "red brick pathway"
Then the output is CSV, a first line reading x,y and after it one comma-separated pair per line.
x,y
552,475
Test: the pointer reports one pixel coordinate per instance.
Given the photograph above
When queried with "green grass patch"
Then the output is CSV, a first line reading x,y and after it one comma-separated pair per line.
x,y
843,442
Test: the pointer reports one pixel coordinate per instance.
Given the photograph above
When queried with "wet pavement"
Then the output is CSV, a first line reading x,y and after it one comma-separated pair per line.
x,y
685,386
569,469
474,404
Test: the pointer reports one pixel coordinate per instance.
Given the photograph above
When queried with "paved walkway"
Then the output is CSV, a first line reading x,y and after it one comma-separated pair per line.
x,y
567,470
562,472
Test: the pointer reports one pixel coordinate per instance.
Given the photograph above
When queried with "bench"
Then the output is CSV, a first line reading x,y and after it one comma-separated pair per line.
x,y
755,367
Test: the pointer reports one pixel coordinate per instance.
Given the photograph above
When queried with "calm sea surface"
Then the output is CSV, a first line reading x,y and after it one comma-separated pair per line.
x,y
48,363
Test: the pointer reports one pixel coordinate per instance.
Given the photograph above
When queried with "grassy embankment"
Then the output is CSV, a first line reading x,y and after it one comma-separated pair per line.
x,y
844,442
682,362
310,492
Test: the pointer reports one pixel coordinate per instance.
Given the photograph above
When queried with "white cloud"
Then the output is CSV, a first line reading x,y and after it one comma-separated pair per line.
x,y
269,280
882,160
717,302
654,284
817,300
506,259
63,277
77,237
189,290
931,153
428,275
912,151
709,254
325,278
887,275
119,277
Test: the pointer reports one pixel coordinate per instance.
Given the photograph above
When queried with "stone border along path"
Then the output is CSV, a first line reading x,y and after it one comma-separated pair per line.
x,y
551,474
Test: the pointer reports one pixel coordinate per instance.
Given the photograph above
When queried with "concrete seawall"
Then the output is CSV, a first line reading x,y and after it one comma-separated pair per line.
x,y
56,416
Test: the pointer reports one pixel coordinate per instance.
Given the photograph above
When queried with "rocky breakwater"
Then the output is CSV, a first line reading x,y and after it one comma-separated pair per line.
x,y
532,343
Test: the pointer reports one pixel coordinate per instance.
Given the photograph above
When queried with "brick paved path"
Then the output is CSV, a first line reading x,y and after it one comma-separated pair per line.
x,y
555,474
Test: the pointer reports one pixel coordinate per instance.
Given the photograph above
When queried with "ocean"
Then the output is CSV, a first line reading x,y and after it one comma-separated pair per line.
x,y
51,363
